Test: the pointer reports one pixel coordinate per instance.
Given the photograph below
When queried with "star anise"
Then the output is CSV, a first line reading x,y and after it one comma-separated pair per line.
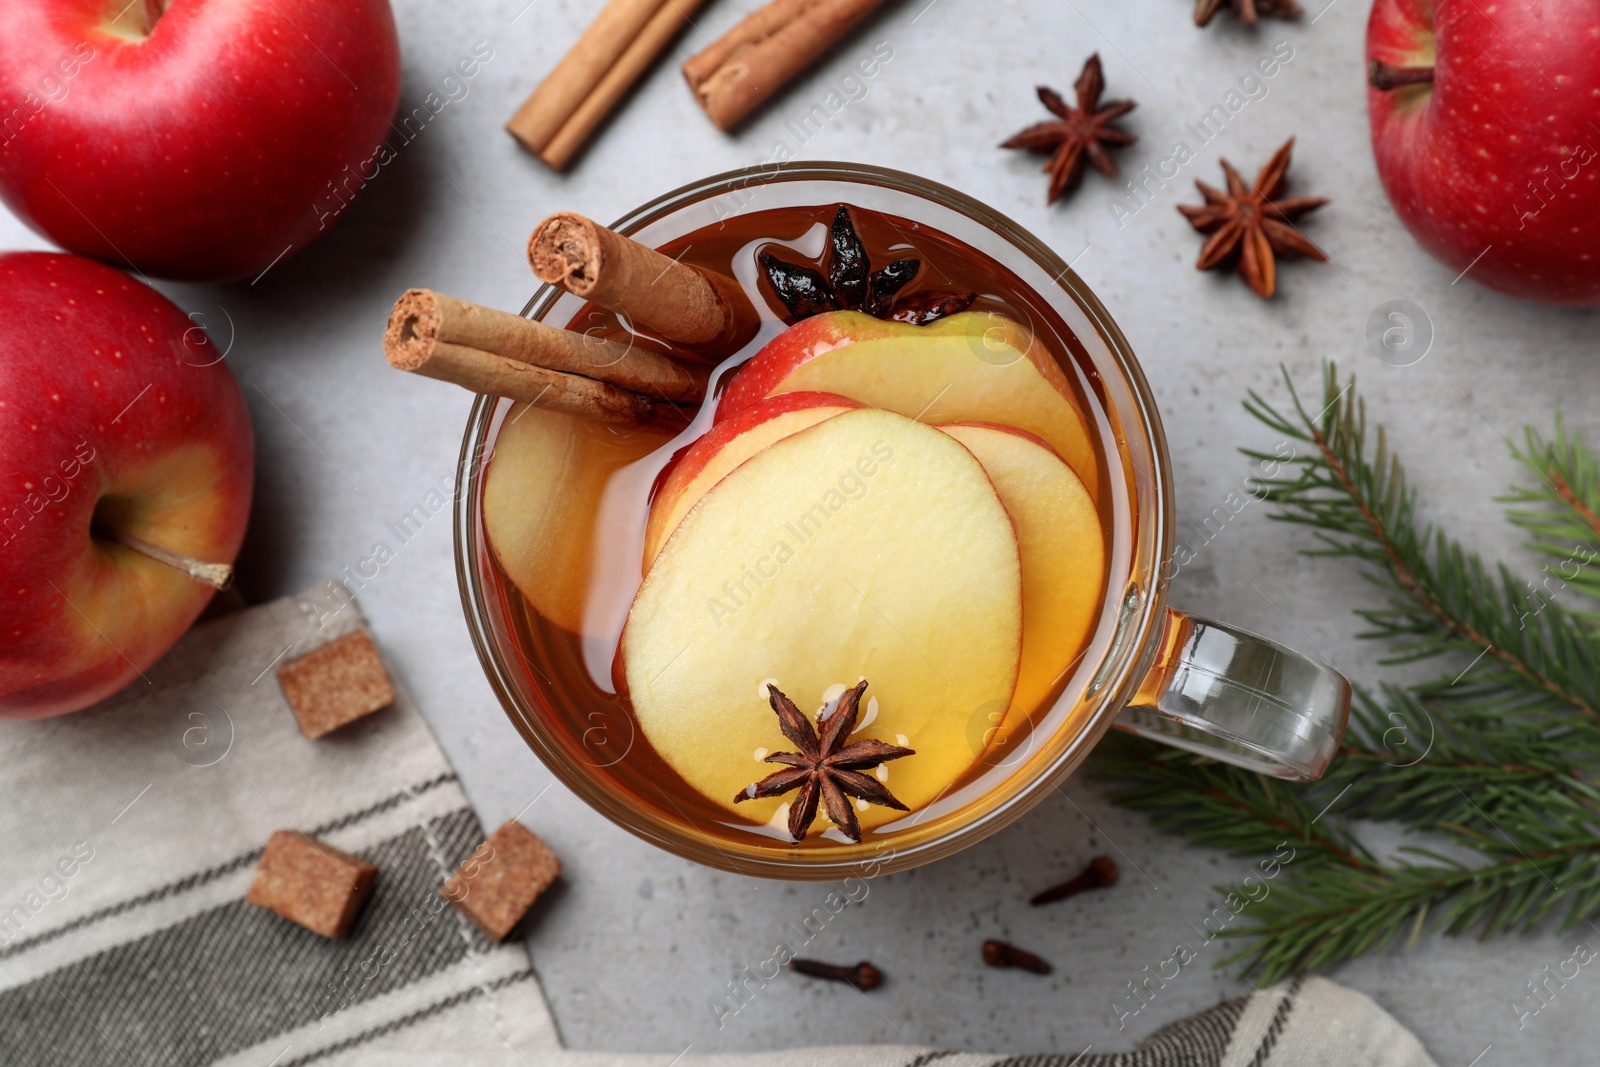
x,y
826,768
850,284
1248,11
1248,224
1080,134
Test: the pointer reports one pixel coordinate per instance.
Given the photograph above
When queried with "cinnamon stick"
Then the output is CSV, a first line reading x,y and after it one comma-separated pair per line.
x,y
413,341
570,82
653,290
571,394
664,25
746,65
422,320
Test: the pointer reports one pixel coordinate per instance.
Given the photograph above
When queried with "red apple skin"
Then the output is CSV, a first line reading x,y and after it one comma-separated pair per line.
x,y
107,392
678,476
763,371
1498,153
205,151
1012,430
821,334
692,458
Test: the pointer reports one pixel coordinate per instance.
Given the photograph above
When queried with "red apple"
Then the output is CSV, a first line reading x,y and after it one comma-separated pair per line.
x,y
204,143
1481,124
117,418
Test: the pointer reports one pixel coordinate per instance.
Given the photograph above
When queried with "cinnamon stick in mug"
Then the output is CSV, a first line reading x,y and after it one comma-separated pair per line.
x,y
746,65
655,291
413,341
570,394
423,320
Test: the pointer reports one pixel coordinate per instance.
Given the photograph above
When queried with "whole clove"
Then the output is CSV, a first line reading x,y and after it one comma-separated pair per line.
x,y
1000,954
1101,872
863,976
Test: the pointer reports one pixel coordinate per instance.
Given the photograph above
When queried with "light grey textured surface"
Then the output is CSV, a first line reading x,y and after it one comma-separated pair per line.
x,y
637,946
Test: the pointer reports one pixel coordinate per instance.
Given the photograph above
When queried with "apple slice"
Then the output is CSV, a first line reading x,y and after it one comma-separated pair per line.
x,y
728,444
973,367
867,546
1062,546
541,498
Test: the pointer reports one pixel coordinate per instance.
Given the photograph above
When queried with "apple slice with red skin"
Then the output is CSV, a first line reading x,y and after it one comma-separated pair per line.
x,y
972,367
117,414
728,444
1062,545
866,546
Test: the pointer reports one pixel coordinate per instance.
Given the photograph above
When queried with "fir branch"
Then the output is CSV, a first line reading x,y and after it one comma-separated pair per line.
x,y
1499,761
1225,807
1562,511
1406,763
1530,655
1306,923
1334,900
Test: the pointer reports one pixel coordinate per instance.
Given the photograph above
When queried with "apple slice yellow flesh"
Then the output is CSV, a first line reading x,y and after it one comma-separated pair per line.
x,y
714,456
973,367
541,497
867,546
1062,546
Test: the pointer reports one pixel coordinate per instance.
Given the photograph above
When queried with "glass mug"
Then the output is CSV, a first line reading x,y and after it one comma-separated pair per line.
x,y
1147,668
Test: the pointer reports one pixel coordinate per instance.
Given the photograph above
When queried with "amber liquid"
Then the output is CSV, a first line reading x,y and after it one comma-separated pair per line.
x,y
572,677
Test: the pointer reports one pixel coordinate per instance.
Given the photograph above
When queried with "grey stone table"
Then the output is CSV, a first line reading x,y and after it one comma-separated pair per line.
x,y
636,950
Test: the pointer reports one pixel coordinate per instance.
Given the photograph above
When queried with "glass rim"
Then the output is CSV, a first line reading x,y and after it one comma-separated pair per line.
x,y
1130,659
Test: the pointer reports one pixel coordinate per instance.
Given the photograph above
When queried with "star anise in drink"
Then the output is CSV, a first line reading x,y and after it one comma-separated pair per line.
x,y
1248,11
1079,135
826,768
1249,225
845,281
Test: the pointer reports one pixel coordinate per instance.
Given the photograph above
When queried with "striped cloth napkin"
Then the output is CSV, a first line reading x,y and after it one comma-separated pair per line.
x,y
1299,1023
132,831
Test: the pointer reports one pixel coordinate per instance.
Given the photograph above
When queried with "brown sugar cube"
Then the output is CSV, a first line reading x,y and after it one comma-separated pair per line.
x,y
311,883
501,880
336,684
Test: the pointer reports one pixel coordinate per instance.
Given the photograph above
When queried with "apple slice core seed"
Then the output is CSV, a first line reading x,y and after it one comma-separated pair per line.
x,y
866,546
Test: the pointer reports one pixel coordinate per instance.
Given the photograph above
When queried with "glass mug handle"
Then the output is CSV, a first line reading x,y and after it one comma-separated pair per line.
x,y
1239,698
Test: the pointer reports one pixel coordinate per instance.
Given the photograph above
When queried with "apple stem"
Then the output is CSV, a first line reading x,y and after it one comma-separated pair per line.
x,y
216,575
1383,77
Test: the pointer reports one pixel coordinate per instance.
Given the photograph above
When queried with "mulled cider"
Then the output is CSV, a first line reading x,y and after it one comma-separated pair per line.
x,y
845,596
